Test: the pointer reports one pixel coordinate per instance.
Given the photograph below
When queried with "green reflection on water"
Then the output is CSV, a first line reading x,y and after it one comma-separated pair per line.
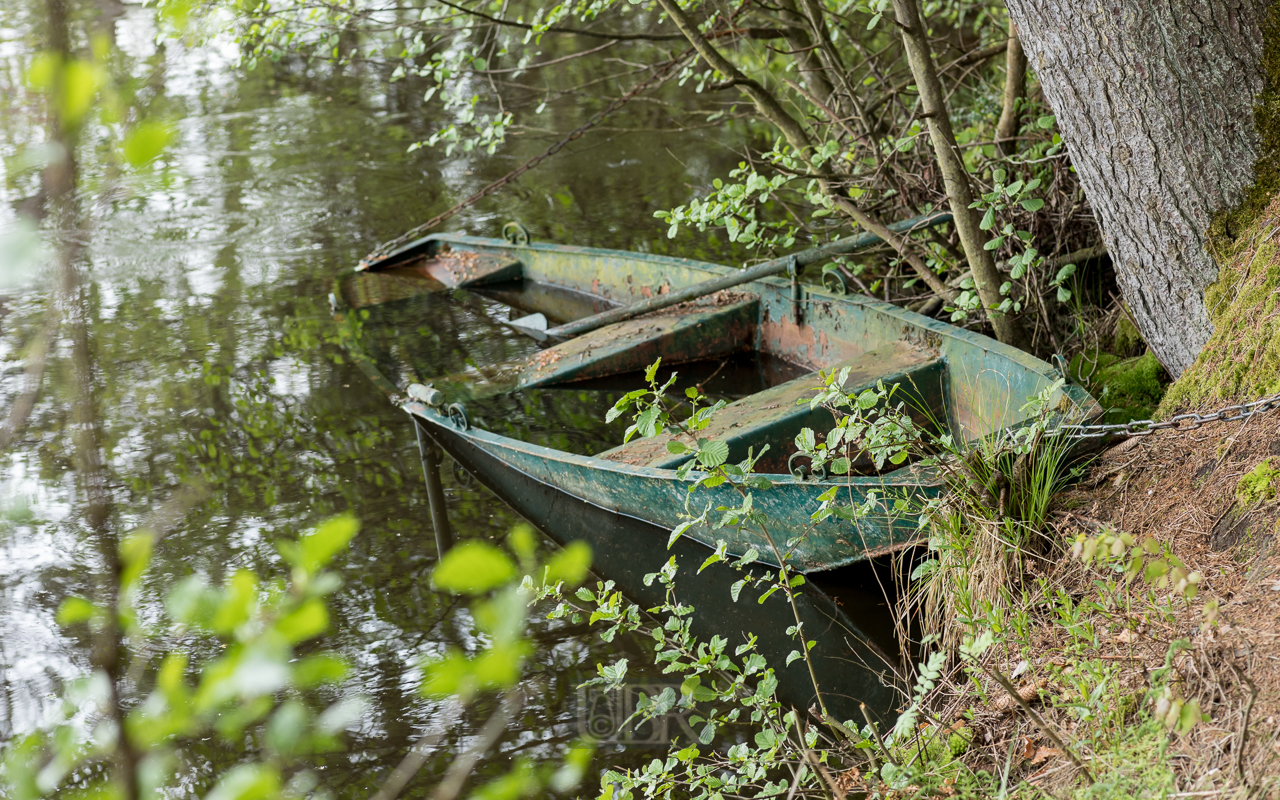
x,y
213,356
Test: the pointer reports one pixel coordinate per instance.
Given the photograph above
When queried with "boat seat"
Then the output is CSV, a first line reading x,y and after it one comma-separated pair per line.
x,y
710,327
775,416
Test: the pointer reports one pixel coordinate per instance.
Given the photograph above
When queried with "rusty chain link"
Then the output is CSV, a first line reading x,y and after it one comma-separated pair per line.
x,y
1146,427
660,75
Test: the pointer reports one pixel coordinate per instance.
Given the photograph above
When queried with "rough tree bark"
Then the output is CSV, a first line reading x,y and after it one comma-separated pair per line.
x,y
1155,102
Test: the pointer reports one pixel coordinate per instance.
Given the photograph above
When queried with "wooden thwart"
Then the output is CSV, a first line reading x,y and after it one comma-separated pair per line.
x,y
774,416
700,332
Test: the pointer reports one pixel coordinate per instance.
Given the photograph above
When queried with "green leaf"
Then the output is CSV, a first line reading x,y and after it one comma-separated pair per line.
x,y
318,669
75,610
792,656
247,782
306,622
523,541
80,83
988,219
320,545
678,531
736,589
135,553
235,602
652,371
1033,204
472,568
286,727
707,733
805,440
1156,569
677,448
1188,717
570,564
145,142
713,453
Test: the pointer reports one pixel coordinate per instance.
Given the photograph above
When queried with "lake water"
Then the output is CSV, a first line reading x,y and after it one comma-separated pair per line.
x,y
213,354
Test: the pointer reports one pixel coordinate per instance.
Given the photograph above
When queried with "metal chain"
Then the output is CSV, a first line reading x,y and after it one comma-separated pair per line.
x,y
660,75
1146,427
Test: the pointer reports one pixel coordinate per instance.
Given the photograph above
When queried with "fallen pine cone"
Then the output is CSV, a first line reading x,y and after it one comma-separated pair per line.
x,y
1030,693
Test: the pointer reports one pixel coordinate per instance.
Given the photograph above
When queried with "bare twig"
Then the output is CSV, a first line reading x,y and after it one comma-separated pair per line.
x,y
1243,738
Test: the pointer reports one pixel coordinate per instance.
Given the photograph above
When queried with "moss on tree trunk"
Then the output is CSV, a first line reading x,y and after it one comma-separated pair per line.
x,y
1241,360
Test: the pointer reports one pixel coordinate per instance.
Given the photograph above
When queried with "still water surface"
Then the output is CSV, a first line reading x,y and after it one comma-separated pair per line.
x,y
214,356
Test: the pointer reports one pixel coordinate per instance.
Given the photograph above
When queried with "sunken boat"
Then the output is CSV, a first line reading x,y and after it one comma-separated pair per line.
x,y
579,318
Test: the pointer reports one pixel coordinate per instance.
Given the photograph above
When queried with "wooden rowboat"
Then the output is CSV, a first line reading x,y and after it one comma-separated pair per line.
x,y
968,383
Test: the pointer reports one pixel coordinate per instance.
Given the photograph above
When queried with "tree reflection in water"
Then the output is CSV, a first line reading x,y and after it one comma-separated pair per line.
x,y
172,362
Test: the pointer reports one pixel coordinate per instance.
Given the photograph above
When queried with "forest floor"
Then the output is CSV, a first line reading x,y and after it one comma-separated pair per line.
x,y
1154,692
1212,497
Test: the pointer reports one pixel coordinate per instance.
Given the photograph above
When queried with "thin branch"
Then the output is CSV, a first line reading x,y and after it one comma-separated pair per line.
x,y
542,64
645,37
1040,722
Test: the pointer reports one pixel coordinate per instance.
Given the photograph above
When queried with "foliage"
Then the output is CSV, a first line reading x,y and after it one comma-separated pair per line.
x,y
262,683
830,104
259,682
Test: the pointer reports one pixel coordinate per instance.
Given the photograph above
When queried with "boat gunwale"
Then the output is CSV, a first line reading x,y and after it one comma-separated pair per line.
x,y
924,477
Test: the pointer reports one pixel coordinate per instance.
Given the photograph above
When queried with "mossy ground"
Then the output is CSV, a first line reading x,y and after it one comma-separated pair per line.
x,y
1128,388
1258,486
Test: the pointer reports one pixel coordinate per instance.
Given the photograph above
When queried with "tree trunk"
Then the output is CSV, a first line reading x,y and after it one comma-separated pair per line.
x,y
1155,102
1015,84
955,177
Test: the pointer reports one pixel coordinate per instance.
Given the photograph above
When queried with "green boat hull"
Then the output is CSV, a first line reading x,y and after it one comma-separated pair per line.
x,y
660,497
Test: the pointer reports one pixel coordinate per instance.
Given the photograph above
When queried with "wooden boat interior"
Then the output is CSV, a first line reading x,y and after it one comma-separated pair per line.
x,y
950,378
